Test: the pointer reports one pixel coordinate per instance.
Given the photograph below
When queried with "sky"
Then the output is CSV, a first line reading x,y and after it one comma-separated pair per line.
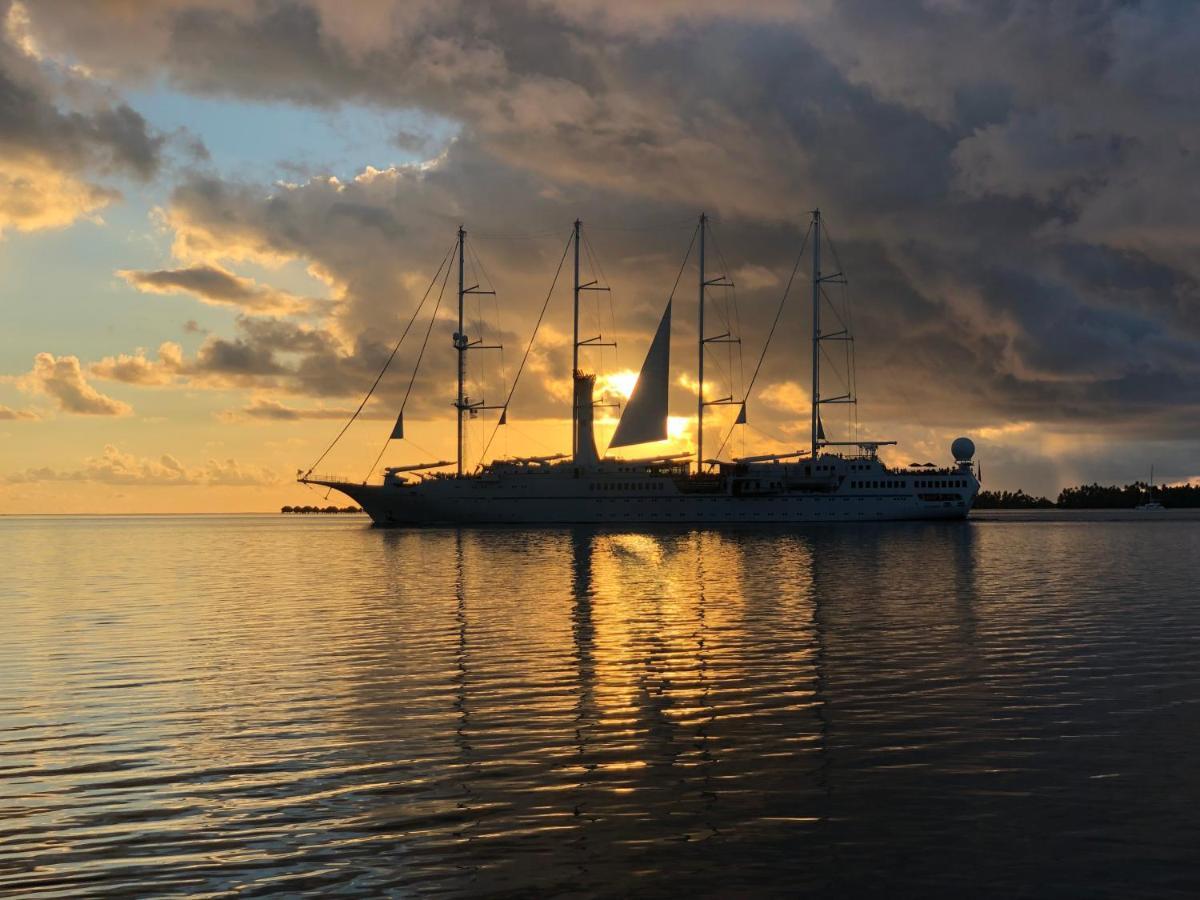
x,y
217,218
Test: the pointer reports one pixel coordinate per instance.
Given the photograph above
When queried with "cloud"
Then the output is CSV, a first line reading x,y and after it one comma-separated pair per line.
x,y
218,287
231,472
1010,190
7,413
137,369
273,410
62,378
35,195
56,129
114,466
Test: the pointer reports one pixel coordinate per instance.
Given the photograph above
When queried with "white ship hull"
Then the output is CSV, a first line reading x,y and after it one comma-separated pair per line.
x,y
541,500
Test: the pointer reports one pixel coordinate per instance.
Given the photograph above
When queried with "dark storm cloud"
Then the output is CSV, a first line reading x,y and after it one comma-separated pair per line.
x,y
1012,184
115,138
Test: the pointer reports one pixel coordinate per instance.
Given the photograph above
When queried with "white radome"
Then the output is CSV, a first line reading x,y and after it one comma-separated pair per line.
x,y
963,449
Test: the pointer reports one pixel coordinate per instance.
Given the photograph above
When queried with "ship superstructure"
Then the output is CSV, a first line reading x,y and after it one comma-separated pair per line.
x,y
829,481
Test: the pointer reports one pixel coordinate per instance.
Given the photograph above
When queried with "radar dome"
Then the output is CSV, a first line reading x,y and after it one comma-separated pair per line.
x,y
963,449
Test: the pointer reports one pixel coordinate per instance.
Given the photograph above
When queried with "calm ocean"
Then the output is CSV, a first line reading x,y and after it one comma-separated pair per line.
x,y
1004,707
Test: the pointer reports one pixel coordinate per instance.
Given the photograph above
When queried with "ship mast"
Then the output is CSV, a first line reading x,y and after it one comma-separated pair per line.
x,y
700,355
460,345
575,350
726,338
816,335
576,343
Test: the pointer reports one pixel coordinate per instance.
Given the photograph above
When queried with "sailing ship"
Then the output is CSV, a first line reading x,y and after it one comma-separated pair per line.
x,y
1151,505
826,482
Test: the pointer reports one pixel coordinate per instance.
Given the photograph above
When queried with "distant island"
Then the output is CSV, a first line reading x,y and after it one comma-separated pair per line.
x,y
320,509
1094,496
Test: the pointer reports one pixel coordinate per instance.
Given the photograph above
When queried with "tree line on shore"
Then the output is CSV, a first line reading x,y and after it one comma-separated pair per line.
x,y
1094,496
319,509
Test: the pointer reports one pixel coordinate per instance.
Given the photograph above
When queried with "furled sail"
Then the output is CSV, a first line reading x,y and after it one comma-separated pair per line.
x,y
644,418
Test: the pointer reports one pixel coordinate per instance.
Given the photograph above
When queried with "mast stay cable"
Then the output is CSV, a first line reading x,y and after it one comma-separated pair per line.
x,y
770,334
521,368
391,356
416,367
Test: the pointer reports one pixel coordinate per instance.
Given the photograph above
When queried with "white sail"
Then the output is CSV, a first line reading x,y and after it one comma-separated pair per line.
x,y
644,418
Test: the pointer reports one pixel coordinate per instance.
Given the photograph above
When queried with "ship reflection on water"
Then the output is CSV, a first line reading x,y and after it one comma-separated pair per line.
x,y
884,709
673,712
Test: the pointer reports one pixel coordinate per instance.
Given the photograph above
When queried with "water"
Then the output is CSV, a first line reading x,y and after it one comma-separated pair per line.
x,y
1005,707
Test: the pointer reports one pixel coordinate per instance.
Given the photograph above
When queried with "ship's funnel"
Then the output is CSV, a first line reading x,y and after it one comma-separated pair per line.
x,y
585,437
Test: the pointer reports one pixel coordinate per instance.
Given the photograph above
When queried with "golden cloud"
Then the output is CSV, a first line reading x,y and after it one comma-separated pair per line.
x,y
62,378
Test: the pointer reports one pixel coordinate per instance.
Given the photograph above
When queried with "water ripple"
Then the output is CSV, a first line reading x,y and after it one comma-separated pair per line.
x,y
1008,706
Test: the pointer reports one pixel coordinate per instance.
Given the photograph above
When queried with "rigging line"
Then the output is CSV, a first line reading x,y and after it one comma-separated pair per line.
x,y
599,281
529,347
658,226
491,284
683,265
612,316
776,438
515,235
733,323
391,356
416,367
500,341
778,312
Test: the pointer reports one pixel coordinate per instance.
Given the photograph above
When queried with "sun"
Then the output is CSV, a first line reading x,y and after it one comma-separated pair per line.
x,y
620,383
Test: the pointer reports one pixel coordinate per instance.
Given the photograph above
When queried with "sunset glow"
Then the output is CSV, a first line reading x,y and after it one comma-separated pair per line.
x,y
206,264
620,384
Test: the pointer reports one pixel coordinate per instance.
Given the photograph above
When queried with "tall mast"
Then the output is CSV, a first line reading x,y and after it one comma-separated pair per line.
x,y
700,355
460,344
816,335
575,349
